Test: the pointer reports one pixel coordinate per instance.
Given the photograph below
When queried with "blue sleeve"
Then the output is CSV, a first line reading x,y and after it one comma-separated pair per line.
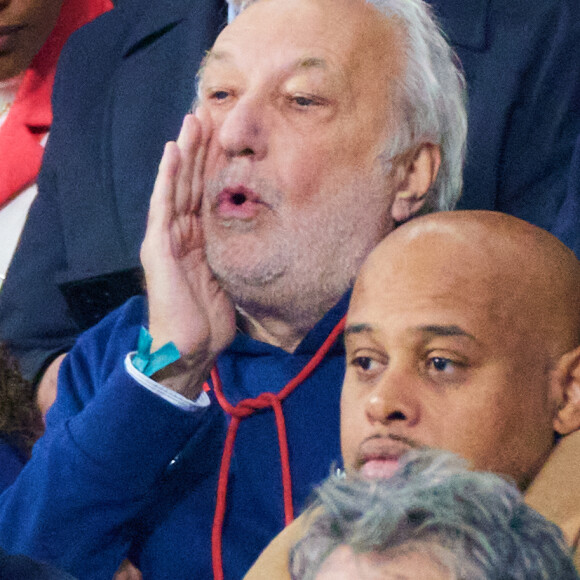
x,y
108,442
11,464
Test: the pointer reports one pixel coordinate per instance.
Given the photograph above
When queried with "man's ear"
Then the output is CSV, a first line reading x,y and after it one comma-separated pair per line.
x,y
566,383
420,171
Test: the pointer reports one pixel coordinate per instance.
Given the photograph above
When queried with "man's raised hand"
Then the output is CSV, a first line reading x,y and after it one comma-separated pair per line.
x,y
186,304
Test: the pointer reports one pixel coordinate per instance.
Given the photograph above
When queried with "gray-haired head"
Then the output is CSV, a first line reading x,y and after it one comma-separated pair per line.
x,y
429,99
473,524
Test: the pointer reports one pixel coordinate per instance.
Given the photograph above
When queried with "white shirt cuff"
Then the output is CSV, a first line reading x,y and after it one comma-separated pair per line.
x,y
165,393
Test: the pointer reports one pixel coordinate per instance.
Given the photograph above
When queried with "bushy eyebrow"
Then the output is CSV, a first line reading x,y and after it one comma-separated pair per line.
x,y
446,330
357,329
433,329
212,55
311,62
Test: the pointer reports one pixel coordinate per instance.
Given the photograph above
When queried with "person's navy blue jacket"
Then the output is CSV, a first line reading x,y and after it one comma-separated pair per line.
x,y
568,223
126,80
122,88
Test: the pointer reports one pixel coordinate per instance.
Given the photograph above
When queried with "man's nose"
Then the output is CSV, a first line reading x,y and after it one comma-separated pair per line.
x,y
242,132
394,399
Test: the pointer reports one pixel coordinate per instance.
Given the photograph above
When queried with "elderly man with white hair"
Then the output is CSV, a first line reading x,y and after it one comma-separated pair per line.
x,y
320,125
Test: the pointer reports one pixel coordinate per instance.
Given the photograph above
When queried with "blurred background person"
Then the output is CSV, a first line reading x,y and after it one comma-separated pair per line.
x,y
32,34
124,84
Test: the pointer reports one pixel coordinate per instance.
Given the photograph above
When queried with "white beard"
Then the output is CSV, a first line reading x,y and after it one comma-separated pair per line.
x,y
297,266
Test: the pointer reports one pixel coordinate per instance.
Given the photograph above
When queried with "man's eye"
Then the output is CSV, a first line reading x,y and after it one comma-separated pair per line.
x,y
219,95
441,364
304,101
364,363
447,369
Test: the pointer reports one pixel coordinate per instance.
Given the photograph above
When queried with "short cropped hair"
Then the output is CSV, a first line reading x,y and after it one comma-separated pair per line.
x,y
474,524
429,99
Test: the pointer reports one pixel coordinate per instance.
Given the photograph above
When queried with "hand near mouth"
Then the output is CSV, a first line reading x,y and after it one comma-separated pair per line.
x,y
186,304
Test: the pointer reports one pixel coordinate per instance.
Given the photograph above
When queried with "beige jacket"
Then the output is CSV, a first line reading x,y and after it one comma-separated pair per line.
x,y
555,493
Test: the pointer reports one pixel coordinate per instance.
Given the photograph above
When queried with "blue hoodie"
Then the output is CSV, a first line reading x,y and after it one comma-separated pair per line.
x,y
122,472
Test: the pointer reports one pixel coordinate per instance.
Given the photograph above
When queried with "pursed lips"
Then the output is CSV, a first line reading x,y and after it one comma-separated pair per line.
x,y
378,456
238,202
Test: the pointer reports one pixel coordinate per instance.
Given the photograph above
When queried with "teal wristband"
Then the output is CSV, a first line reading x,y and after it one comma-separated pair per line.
x,y
149,363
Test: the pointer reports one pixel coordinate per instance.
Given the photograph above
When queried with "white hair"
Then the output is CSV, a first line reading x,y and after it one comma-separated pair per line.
x,y
429,99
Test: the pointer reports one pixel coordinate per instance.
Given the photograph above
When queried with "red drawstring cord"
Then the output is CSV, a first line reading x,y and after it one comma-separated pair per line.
x,y
242,410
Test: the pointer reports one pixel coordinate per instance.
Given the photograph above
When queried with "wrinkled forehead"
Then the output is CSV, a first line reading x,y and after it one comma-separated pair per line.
x,y
351,35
